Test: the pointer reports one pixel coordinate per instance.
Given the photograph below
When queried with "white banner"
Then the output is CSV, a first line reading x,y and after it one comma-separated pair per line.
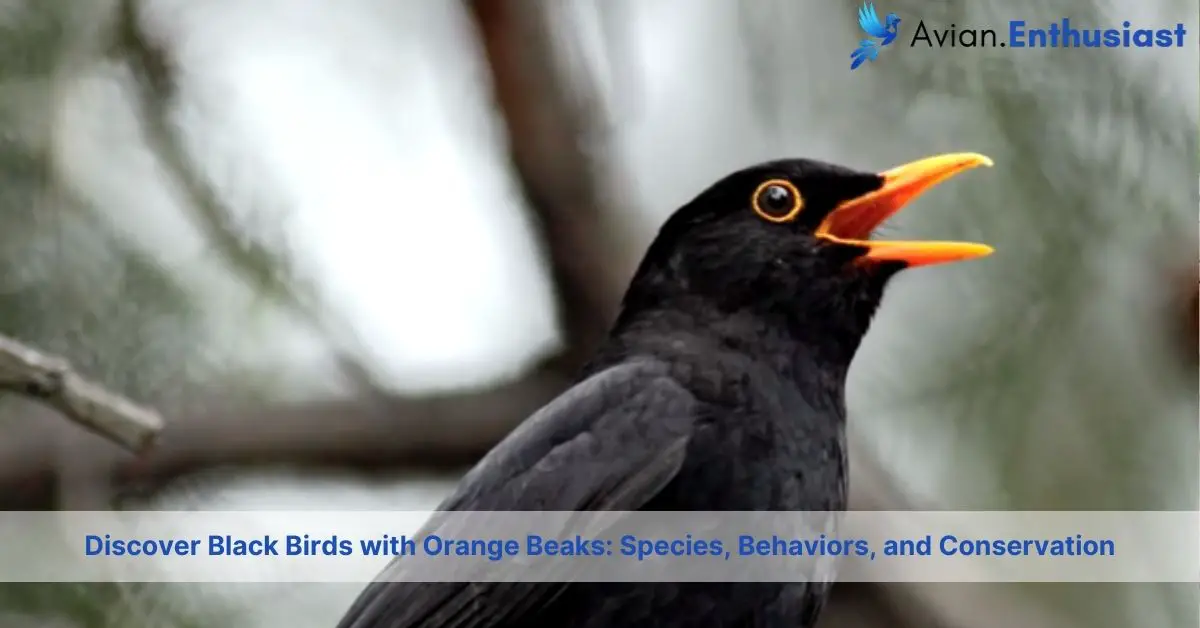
x,y
355,546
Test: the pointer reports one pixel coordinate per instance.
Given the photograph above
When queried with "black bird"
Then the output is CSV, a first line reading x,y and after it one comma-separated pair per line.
x,y
720,387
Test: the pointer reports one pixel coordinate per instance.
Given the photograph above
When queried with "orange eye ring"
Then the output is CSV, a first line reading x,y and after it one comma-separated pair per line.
x,y
771,206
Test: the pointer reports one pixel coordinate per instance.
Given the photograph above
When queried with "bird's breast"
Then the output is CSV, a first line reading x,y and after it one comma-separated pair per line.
x,y
760,444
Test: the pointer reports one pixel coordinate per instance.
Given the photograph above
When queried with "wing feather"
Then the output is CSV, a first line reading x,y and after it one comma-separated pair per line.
x,y
868,19
620,436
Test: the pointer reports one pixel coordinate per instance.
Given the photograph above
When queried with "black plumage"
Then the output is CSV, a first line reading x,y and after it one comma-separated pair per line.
x,y
720,387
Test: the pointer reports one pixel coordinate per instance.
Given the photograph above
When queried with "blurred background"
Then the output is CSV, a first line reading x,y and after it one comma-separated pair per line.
x,y
344,247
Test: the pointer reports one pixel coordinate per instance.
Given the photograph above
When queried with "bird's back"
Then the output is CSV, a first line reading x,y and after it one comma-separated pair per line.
x,y
760,445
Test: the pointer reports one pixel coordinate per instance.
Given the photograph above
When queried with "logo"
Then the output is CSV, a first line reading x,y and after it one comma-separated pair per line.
x,y
885,32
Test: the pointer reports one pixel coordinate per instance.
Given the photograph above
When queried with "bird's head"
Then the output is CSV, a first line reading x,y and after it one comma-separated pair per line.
x,y
892,21
792,240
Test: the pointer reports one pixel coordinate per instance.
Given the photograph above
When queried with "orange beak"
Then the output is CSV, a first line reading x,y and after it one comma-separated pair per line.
x,y
853,221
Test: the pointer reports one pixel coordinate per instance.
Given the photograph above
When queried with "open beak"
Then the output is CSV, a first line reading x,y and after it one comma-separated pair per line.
x,y
853,221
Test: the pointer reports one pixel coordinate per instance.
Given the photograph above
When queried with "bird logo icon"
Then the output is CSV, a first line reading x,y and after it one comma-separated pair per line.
x,y
868,20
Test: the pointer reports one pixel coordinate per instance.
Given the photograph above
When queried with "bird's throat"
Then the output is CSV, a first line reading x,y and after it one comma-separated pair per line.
x,y
808,332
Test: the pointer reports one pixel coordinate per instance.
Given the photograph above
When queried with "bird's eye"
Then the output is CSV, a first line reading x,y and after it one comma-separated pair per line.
x,y
777,200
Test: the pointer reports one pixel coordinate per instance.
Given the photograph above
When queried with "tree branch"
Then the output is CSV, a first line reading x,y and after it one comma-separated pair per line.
x,y
51,380
448,431
548,120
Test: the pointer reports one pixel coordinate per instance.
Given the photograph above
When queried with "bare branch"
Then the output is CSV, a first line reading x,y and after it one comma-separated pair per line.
x,y
547,127
435,432
448,431
51,380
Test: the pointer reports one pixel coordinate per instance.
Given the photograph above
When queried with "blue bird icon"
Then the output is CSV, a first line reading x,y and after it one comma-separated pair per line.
x,y
868,20
867,50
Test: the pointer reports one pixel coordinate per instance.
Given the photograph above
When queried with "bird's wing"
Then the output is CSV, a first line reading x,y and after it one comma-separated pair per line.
x,y
866,51
868,19
611,442
864,47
